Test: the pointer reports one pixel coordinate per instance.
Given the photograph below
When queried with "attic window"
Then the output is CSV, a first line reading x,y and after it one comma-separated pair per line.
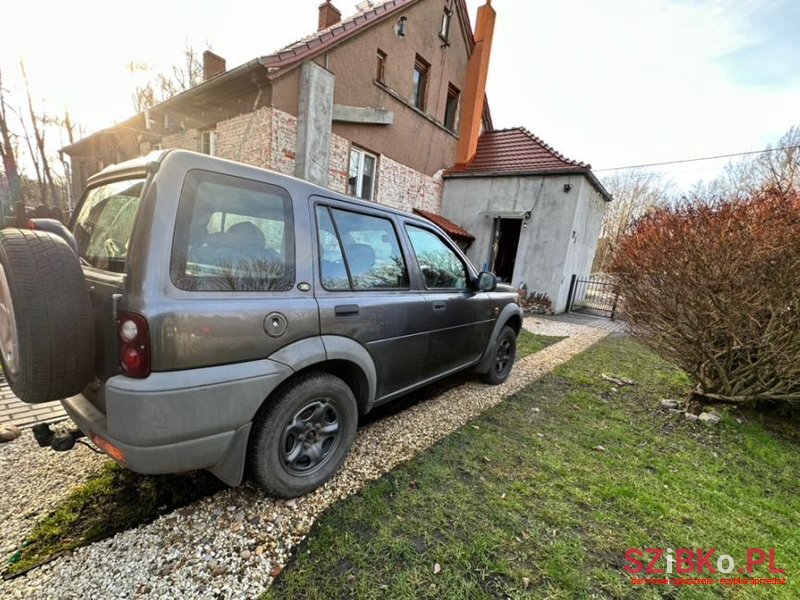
x,y
444,32
421,68
380,74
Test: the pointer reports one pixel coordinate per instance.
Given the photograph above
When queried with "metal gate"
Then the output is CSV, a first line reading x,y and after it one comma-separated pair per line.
x,y
593,295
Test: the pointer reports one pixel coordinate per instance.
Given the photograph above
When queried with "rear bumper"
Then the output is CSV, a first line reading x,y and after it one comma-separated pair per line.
x,y
183,420
177,457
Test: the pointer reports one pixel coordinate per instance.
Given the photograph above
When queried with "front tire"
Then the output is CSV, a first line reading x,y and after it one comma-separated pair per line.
x,y
302,436
505,353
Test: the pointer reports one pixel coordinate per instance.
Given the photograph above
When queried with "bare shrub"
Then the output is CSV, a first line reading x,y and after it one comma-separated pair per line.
x,y
716,289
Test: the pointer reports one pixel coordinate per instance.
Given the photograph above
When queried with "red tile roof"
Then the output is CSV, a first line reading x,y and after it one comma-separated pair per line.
x,y
323,39
519,151
454,231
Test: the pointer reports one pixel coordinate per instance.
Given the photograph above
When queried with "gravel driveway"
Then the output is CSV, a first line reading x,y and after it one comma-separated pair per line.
x,y
230,545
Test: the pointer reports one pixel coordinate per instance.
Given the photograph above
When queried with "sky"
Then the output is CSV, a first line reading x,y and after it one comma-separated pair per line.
x,y
608,82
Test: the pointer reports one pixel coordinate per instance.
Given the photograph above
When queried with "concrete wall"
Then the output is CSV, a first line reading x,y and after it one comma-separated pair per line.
x,y
314,114
586,231
548,253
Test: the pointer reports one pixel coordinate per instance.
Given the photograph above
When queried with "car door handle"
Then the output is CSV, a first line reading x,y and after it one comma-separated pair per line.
x,y
439,306
346,310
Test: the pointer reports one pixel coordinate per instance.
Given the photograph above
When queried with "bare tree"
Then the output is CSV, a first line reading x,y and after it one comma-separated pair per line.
x,y
634,192
776,170
165,85
47,185
8,154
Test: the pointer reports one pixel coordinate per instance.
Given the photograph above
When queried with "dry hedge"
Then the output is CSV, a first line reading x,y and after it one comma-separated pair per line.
x,y
716,290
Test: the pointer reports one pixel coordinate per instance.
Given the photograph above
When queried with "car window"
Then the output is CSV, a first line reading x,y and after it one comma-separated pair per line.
x,y
440,265
105,222
232,234
332,267
359,252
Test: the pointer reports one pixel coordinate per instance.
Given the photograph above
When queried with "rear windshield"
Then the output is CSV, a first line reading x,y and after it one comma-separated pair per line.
x,y
105,221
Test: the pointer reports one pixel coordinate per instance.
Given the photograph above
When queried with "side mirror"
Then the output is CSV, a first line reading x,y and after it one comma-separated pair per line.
x,y
487,282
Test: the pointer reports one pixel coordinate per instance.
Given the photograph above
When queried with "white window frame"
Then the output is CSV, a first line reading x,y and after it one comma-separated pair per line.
x,y
357,192
208,139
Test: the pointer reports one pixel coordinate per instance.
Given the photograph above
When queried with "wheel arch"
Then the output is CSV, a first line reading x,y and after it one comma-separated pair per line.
x,y
511,315
340,356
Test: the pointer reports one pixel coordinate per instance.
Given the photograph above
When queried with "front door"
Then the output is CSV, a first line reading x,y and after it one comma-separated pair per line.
x,y
504,247
460,318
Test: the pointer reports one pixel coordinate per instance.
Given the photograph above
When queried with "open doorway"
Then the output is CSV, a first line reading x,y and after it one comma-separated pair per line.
x,y
504,247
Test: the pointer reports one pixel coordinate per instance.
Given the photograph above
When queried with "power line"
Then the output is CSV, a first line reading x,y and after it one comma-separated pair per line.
x,y
688,160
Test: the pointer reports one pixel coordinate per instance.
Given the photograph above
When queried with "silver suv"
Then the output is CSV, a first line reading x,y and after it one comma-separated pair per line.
x,y
204,314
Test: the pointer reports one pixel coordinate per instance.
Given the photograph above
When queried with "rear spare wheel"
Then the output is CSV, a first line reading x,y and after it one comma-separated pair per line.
x,y
46,321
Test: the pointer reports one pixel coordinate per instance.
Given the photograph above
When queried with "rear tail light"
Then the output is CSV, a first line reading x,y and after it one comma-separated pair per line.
x,y
134,345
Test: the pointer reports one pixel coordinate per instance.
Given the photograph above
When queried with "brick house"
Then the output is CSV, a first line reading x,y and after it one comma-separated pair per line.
x,y
388,105
378,105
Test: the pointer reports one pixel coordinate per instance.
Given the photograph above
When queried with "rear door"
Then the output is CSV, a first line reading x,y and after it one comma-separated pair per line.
x,y
460,318
364,292
102,227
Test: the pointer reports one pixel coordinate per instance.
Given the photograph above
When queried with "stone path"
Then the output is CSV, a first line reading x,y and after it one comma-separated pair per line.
x,y
13,410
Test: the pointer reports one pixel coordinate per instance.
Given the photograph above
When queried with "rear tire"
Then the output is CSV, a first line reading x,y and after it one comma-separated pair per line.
x,y
46,318
302,435
505,352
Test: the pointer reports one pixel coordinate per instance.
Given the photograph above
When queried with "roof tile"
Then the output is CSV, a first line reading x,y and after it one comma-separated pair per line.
x,y
309,45
518,150
459,234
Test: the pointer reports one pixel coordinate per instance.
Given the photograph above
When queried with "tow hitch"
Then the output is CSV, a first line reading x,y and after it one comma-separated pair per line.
x,y
60,441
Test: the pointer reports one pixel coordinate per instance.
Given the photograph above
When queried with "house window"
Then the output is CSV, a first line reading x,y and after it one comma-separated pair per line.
x,y
209,143
444,32
421,68
380,74
361,178
451,108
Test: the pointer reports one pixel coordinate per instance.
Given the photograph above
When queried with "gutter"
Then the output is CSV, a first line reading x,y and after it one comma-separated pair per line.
x,y
577,171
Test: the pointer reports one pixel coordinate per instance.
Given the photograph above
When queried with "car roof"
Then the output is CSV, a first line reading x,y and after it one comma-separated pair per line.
x,y
151,161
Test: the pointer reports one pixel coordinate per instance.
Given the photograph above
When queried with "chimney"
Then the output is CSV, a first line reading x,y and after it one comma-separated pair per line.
x,y
212,65
328,15
475,89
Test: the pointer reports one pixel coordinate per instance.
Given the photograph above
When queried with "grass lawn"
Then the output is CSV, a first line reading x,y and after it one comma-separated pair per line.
x,y
542,495
528,343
